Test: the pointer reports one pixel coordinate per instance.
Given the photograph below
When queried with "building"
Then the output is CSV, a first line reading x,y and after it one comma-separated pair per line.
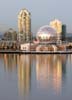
x,y
24,26
47,39
10,35
46,33
63,31
28,47
57,25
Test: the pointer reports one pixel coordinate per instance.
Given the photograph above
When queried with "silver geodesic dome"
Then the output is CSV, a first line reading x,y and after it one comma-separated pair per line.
x,y
46,32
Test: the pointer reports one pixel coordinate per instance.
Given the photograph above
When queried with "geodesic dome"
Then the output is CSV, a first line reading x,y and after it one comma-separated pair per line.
x,y
46,32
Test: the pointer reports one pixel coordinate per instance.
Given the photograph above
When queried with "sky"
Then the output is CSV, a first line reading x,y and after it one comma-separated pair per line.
x,y
42,12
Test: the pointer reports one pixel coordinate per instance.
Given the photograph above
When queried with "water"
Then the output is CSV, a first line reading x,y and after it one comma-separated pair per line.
x,y
35,77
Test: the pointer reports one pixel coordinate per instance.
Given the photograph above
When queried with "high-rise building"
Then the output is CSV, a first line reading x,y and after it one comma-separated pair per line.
x,y
63,31
24,26
57,25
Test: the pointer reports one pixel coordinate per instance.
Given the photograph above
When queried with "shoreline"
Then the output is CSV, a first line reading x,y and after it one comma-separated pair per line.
x,y
33,52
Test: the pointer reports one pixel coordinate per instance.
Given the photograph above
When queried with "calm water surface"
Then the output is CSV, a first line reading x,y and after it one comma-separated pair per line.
x,y
35,77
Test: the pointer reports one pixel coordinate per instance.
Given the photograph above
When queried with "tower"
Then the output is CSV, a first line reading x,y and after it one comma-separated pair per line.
x,y
24,26
57,25
63,32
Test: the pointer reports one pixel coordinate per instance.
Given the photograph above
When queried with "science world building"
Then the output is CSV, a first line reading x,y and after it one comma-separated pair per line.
x,y
48,41
46,33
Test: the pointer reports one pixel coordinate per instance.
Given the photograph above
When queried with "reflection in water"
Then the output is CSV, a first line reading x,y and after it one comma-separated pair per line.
x,y
22,64
49,70
10,62
24,73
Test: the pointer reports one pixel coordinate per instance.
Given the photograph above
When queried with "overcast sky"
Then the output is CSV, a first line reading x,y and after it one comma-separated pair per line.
x,y
42,12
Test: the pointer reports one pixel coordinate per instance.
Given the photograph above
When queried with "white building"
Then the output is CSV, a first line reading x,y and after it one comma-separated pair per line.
x,y
28,47
25,47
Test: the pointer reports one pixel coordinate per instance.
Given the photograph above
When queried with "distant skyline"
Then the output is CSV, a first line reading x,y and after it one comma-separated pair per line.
x,y
42,12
